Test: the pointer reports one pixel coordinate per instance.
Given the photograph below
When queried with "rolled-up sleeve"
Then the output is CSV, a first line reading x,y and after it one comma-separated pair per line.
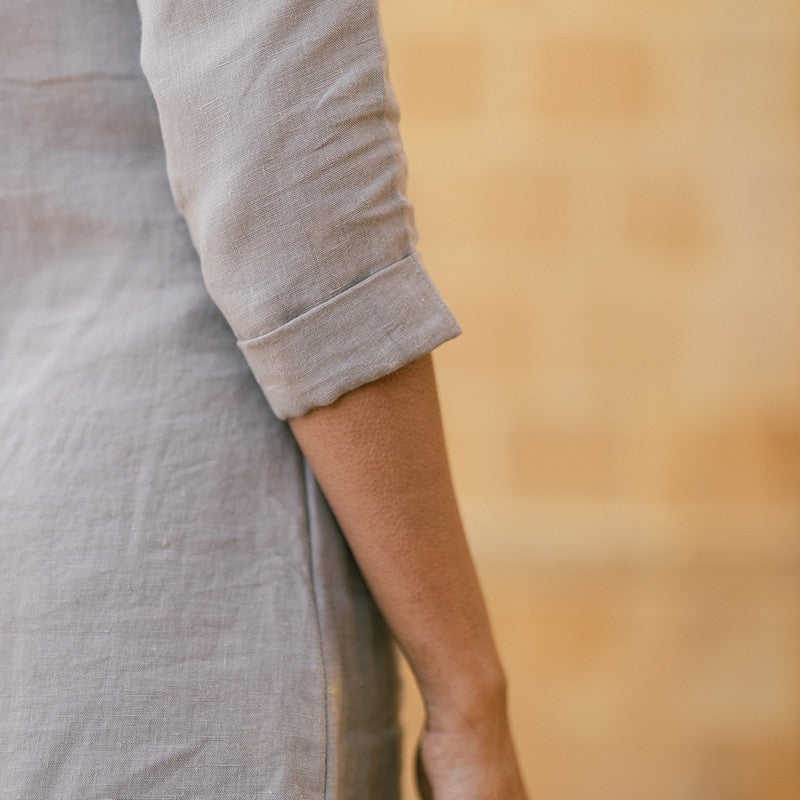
x,y
283,154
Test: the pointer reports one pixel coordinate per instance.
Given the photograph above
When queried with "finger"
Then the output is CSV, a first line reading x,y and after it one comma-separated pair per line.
x,y
423,784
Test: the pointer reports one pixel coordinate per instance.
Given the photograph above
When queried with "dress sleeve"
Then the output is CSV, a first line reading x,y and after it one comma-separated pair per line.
x,y
283,154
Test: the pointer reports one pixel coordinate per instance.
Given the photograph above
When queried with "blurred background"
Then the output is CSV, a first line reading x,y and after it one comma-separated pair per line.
x,y
608,197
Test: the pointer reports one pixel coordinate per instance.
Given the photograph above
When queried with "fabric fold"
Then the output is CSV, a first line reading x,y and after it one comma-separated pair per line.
x,y
365,332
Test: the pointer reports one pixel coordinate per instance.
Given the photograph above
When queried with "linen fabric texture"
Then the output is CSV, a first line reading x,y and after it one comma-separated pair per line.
x,y
203,232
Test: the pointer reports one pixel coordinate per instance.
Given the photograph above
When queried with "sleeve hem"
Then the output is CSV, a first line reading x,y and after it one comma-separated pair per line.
x,y
367,331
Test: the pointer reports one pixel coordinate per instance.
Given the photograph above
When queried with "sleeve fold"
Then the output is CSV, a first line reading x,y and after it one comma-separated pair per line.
x,y
362,334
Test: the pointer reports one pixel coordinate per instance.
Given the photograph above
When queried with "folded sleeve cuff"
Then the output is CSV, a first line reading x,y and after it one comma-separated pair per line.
x,y
365,332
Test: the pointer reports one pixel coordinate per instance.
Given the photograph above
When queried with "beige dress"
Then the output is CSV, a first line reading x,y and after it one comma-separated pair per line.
x,y
203,232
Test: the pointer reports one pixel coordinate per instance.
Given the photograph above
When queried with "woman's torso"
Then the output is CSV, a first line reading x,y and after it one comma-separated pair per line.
x,y
179,614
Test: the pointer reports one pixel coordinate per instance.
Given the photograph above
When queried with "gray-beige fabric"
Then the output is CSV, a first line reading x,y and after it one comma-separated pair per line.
x,y
203,232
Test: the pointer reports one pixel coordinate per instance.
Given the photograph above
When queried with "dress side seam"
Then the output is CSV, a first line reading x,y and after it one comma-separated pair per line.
x,y
307,478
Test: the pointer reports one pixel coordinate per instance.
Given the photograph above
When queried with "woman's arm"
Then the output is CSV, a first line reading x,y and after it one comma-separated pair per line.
x,y
379,455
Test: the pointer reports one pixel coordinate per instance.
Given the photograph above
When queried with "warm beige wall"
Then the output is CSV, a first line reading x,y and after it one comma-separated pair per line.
x,y
608,196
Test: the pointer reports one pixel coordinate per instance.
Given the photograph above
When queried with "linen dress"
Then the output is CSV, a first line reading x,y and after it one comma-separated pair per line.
x,y
203,232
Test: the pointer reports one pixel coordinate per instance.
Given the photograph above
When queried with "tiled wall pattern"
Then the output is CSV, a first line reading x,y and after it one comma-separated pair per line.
x,y
608,196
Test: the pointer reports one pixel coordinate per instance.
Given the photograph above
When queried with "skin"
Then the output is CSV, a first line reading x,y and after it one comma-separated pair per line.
x,y
379,455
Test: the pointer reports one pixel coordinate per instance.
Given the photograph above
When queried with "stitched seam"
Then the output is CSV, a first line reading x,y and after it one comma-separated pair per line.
x,y
307,476
391,103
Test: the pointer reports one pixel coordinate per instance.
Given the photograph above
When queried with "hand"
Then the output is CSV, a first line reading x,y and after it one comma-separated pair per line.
x,y
468,762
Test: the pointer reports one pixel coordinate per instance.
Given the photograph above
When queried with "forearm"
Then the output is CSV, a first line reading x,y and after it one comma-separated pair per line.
x,y
379,455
